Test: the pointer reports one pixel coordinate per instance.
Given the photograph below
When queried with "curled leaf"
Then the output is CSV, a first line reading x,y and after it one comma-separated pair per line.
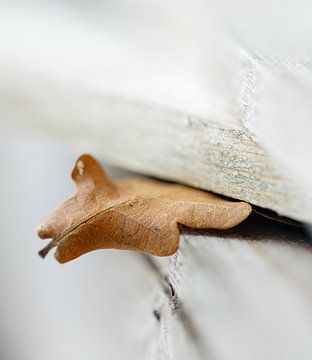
x,y
134,214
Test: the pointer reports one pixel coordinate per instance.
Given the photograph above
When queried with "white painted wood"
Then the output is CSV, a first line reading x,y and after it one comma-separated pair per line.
x,y
240,294
161,142
186,95
244,294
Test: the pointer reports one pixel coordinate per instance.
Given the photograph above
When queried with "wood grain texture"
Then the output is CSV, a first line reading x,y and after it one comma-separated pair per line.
x,y
162,142
243,294
191,111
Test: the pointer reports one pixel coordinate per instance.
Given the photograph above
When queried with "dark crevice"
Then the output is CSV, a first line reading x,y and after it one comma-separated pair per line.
x,y
178,309
272,215
157,314
259,228
166,285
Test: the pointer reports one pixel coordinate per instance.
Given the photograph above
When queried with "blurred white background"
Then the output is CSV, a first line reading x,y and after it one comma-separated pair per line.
x,y
81,310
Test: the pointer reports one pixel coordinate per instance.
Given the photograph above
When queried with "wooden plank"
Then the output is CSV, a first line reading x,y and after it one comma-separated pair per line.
x,y
243,294
161,142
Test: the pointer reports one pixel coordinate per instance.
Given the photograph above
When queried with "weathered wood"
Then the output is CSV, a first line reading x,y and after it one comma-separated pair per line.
x,y
241,294
164,143
199,108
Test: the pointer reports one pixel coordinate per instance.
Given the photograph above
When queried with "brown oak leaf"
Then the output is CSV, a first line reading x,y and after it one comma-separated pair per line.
x,y
134,214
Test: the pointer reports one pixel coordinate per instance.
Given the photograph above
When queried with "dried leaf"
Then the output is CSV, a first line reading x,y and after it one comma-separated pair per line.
x,y
134,214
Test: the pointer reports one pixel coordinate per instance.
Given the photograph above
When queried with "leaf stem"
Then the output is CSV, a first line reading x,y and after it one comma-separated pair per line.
x,y
44,252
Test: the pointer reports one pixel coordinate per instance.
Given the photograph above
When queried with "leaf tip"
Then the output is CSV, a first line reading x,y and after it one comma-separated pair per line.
x,y
41,231
248,209
241,212
80,165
